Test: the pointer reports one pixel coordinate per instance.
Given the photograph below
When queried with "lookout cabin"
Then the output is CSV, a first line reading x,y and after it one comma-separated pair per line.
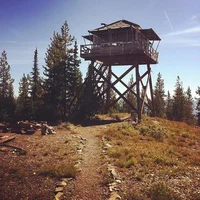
x,y
121,43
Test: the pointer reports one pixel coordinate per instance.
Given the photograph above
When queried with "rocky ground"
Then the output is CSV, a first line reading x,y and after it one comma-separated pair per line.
x,y
101,162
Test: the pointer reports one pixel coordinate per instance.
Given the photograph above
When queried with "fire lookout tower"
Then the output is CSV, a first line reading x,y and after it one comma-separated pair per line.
x,y
118,44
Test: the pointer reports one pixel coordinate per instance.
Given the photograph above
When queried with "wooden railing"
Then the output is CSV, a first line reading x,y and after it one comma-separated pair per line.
x,y
118,48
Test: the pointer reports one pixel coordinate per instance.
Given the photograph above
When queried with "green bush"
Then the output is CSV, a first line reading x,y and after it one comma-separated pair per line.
x,y
59,170
160,191
114,153
155,131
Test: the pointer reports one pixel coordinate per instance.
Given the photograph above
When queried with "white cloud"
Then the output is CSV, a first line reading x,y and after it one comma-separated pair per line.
x,y
181,41
195,19
184,37
193,30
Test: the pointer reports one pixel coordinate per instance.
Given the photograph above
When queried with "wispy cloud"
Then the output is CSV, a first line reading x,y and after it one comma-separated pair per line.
x,y
182,41
167,17
188,36
195,19
187,31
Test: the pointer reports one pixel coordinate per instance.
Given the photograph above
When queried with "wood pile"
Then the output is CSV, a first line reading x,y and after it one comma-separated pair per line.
x,y
27,127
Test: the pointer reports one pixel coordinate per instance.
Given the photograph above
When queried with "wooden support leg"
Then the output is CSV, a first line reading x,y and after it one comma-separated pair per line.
x,y
151,89
138,94
108,91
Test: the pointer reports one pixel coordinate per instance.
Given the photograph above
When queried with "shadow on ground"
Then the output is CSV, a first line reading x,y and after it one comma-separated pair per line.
x,y
94,122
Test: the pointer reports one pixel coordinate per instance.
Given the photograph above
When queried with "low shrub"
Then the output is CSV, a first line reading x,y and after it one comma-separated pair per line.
x,y
161,191
155,131
59,170
68,126
114,153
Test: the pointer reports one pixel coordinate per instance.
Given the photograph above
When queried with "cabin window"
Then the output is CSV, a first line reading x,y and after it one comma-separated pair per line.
x,y
118,36
122,36
104,38
101,38
95,39
131,35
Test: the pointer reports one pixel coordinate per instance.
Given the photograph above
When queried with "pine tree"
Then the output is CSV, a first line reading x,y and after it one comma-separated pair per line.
x,y
23,111
59,72
89,102
178,101
115,107
36,88
77,73
7,102
74,79
5,78
159,97
35,78
198,106
169,107
189,116
130,96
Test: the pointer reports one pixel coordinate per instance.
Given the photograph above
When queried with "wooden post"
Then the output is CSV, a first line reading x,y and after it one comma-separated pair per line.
x,y
91,72
139,112
151,89
108,90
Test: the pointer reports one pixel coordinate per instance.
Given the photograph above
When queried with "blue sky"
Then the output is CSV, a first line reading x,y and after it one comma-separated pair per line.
x,y
27,24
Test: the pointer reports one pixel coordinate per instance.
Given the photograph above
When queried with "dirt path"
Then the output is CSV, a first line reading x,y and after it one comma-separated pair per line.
x,y
88,184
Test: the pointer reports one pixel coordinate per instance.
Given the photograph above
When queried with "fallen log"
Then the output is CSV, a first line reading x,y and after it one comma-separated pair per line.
x,y
12,146
5,139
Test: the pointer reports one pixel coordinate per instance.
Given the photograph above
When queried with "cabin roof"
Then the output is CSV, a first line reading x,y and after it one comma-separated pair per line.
x,y
148,33
116,25
88,37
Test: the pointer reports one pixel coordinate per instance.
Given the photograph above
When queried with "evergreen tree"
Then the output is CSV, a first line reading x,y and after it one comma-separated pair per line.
x,y
121,106
189,116
77,73
59,72
116,107
35,78
7,102
36,88
169,107
74,79
130,96
178,101
198,106
159,95
23,111
89,102
5,78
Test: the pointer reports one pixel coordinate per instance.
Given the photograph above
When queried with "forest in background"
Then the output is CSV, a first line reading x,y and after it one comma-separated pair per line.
x,y
59,94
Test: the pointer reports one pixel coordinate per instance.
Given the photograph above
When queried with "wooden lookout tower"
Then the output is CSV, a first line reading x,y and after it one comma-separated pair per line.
x,y
118,44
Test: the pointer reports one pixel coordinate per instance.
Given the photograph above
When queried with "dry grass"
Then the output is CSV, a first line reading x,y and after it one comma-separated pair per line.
x,y
60,170
34,172
161,191
155,151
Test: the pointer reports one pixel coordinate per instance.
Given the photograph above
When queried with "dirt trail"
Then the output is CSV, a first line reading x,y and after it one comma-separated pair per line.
x,y
88,184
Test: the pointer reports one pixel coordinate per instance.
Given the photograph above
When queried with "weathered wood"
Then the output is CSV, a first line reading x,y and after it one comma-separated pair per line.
x,y
11,146
121,43
108,90
139,111
145,91
151,89
5,139
115,89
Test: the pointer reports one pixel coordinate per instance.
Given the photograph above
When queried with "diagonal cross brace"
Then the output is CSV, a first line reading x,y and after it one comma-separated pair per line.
x,y
114,88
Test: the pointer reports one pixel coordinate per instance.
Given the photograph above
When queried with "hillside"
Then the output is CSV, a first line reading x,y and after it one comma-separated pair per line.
x,y
156,160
